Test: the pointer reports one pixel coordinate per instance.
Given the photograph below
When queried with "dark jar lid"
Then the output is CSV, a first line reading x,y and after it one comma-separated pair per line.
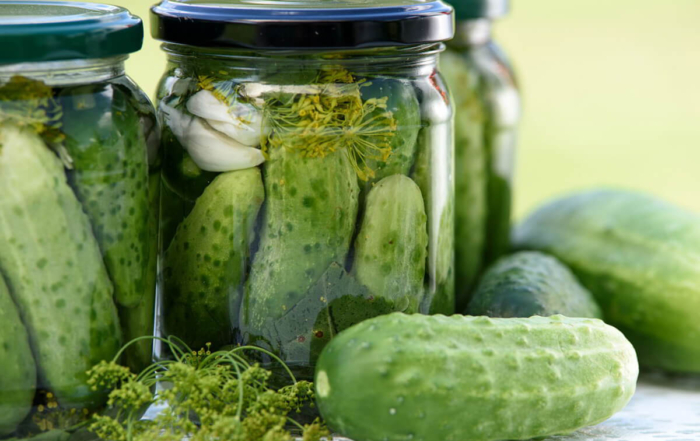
x,y
36,31
475,9
302,24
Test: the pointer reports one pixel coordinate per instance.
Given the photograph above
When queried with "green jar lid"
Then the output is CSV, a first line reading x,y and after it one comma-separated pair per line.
x,y
474,9
33,30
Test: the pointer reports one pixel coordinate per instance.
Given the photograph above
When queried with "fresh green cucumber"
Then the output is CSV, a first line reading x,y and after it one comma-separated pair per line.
x,y
205,264
405,109
110,177
18,379
53,267
640,257
138,321
311,208
531,283
392,245
438,378
470,158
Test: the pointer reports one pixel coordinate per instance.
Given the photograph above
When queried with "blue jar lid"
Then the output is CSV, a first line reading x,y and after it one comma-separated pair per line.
x,y
302,24
34,30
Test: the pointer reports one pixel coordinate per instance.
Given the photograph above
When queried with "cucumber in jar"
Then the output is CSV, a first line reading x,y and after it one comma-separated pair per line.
x,y
18,379
392,245
438,192
312,177
471,175
54,269
110,177
311,206
206,261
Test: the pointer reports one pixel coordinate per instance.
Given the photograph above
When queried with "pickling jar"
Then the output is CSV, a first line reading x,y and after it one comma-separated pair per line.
x,y
308,179
78,175
487,111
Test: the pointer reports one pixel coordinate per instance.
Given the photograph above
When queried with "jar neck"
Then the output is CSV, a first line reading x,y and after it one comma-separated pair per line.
x,y
68,72
405,61
472,33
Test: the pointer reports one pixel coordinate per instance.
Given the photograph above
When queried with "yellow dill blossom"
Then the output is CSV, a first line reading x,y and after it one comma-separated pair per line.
x,y
334,119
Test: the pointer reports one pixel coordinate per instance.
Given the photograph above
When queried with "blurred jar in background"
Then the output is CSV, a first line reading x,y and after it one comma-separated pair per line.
x,y
486,103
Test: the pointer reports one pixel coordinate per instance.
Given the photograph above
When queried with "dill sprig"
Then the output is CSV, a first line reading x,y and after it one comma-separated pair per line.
x,y
30,103
208,396
335,118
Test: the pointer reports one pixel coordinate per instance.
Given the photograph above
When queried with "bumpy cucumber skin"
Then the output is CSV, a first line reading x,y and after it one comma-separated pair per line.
x,y
392,246
437,378
138,321
205,264
471,202
310,214
531,283
640,257
53,267
405,108
110,177
18,379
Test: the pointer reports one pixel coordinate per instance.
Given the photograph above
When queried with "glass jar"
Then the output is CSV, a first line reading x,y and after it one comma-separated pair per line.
x,y
78,160
487,112
307,180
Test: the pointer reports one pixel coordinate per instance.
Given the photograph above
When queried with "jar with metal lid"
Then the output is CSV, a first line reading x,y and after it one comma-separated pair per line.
x,y
78,160
307,170
487,112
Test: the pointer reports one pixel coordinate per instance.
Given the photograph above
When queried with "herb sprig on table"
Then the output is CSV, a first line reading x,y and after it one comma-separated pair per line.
x,y
206,396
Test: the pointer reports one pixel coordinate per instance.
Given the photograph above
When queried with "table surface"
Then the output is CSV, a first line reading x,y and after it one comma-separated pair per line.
x,y
662,409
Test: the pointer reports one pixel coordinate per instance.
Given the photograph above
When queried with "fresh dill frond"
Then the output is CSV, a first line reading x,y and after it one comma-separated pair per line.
x,y
207,396
29,103
334,119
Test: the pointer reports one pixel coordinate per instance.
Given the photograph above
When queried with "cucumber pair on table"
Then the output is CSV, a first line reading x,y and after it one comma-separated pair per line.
x,y
635,262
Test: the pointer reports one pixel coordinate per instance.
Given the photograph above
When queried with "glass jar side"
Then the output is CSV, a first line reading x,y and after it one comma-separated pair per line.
x,y
487,111
73,252
302,196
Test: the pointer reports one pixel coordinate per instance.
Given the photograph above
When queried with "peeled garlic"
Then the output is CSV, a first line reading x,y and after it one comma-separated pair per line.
x,y
208,148
241,121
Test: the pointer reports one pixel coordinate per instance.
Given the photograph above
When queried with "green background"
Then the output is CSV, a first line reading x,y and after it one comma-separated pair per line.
x,y
611,94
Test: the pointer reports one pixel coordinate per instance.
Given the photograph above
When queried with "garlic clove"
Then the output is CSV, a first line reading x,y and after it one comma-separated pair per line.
x,y
213,151
240,121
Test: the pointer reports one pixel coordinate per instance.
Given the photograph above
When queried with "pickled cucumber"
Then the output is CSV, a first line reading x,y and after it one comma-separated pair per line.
x,y
110,177
438,193
54,269
471,178
18,378
311,208
205,264
138,321
392,245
